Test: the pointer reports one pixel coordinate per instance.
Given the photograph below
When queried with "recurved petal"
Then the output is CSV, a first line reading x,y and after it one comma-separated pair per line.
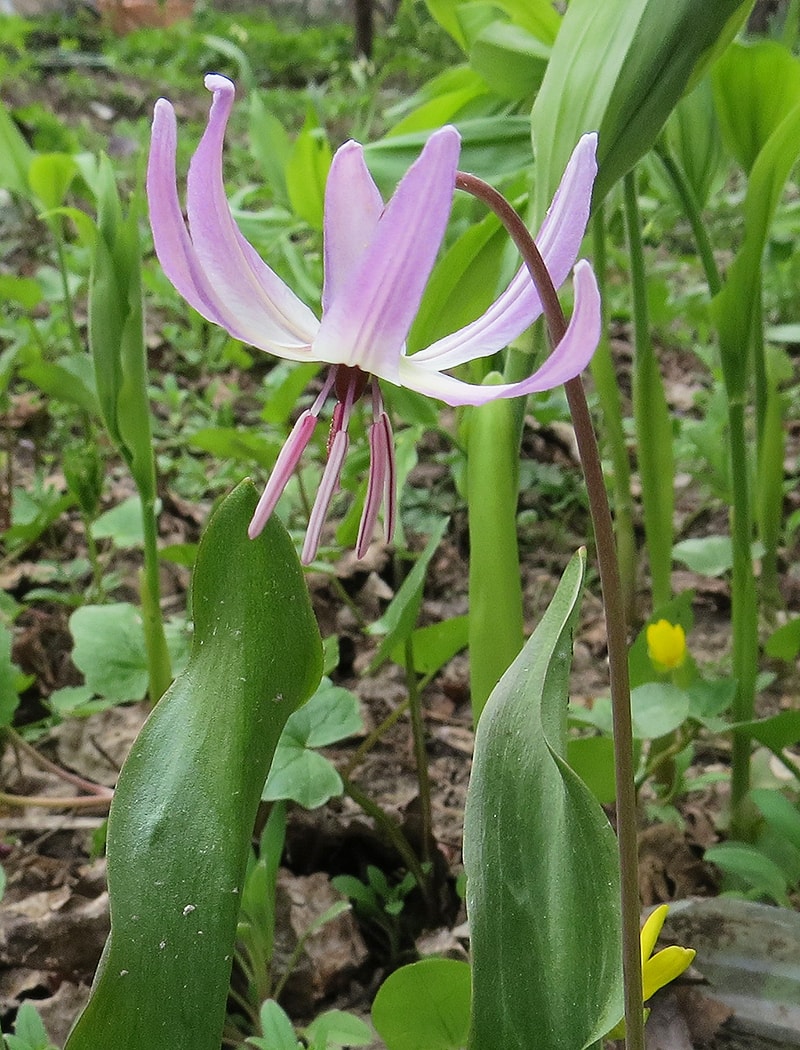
x,y
171,238
353,205
368,320
558,240
265,308
568,359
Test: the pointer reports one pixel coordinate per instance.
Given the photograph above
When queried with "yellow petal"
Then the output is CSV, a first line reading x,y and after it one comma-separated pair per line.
x,y
666,645
651,930
664,967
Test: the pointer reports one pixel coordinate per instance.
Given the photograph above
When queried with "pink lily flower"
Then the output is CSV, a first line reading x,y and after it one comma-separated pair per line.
x,y
377,260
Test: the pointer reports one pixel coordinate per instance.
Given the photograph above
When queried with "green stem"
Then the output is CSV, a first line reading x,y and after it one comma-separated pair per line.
x,y
651,416
605,382
371,740
77,344
393,833
420,752
495,588
616,627
159,665
744,612
693,213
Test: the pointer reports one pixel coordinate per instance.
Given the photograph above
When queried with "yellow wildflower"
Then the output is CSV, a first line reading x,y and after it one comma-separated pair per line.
x,y
666,645
665,965
660,969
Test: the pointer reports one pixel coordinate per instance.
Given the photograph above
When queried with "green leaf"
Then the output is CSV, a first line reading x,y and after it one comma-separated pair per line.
x,y
22,290
277,1028
110,651
50,176
182,818
71,379
9,676
658,708
732,310
338,1028
708,555
779,813
29,1031
619,68
755,86
307,171
748,865
270,145
440,991
540,859
122,524
435,644
440,100
592,758
15,155
491,147
784,643
463,283
400,618
298,772
693,137
510,59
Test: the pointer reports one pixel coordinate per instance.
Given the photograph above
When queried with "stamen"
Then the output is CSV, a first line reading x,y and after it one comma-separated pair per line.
x,y
287,461
327,487
376,485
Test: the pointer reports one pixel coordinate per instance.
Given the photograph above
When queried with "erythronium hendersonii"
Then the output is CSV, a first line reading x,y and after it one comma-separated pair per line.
x,y
377,260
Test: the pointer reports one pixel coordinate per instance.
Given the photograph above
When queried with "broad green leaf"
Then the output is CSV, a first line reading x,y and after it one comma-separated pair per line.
x,y
71,379
29,1031
337,1028
269,142
400,618
748,865
709,555
110,649
592,758
122,524
298,772
658,708
50,176
692,135
182,818
733,308
491,147
511,60
243,446
540,859
440,991
779,812
777,732
537,16
444,107
22,290
756,86
15,155
619,68
307,171
784,643
463,283
435,644
277,1028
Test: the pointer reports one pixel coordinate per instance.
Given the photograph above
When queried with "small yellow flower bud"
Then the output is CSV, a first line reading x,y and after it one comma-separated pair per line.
x,y
666,645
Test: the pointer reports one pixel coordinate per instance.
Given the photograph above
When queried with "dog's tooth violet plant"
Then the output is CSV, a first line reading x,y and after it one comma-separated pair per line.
x,y
377,260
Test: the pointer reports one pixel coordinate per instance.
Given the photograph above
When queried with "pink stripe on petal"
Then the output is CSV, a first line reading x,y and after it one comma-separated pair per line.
x,y
368,321
327,487
559,241
568,359
353,205
285,465
264,306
